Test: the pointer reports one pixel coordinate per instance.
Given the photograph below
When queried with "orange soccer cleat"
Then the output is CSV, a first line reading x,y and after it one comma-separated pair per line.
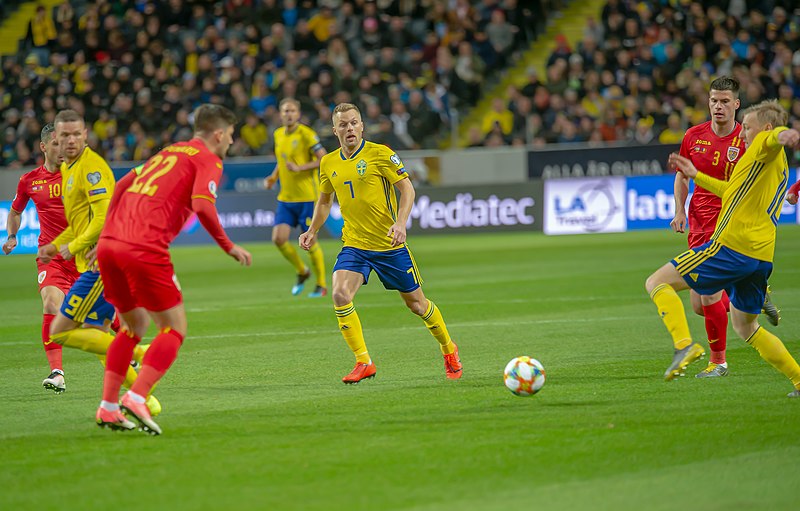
x,y
452,364
141,413
360,372
113,420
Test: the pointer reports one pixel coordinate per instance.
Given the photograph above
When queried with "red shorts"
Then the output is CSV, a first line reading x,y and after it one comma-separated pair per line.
x,y
134,277
696,239
58,272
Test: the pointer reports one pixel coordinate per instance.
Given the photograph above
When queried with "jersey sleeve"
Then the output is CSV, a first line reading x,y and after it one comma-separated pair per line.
x,y
325,185
766,144
99,182
206,179
685,143
22,197
391,166
312,139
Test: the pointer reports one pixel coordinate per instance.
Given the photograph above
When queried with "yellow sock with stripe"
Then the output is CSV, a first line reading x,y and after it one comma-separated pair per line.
x,y
291,255
435,322
350,326
772,349
318,264
90,340
670,308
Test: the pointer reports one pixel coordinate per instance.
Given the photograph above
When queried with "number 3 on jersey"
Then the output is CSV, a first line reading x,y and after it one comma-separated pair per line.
x,y
155,168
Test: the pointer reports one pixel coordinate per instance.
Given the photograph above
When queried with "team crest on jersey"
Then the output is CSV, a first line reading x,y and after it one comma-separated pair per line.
x,y
93,178
42,276
69,184
212,188
733,153
361,167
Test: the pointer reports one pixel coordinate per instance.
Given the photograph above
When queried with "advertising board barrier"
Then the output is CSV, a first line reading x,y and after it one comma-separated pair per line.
x,y
28,234
580,160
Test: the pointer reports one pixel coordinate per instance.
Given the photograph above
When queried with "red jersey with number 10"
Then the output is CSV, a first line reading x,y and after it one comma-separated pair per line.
x,y
44,188
714,156
151,212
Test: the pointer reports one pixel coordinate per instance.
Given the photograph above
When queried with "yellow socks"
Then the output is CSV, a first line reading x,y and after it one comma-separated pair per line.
x,y
318,264
291,255
773,351
90,340
435,322
670,308
350,326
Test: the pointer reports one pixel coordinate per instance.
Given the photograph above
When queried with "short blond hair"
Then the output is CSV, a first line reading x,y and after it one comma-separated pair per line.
x,y
768,112
344,107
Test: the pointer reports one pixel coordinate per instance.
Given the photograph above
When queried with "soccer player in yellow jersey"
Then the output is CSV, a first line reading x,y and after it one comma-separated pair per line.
x,y
298,151
739,256
87,186
362,175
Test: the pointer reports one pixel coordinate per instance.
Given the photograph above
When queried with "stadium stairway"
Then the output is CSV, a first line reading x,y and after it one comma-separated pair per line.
x,y
15,26
570,22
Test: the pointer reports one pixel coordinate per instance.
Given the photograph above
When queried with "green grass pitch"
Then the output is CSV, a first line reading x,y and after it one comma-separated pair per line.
x,y
256,417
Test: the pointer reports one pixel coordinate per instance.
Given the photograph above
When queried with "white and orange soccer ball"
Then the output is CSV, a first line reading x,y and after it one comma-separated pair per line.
x,y
524,376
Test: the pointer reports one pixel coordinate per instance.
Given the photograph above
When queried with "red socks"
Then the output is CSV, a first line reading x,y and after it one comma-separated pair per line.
x,y
53,350
118,358
159,357
716,317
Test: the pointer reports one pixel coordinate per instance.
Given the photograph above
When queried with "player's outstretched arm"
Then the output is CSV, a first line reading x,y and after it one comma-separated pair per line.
x,y
207,214
12,227
789,138
321,211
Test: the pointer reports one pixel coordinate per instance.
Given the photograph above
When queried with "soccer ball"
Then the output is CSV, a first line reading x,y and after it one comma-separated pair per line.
x,y
524,376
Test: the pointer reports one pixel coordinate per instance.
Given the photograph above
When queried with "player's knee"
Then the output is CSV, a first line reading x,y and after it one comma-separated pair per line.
x,y
341,297
50,305
418,307
698,309
651,283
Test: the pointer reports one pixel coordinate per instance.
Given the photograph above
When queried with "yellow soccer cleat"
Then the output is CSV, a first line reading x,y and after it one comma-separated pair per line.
x,y
682,359
153,405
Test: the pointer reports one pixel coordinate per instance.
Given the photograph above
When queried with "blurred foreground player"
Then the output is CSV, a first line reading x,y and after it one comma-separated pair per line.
x,y
146,213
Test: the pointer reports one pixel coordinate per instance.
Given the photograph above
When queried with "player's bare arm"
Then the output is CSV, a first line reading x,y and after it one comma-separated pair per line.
x,y
789,138
12,227
321,211
398,231
681,192
47,252
241,255
271,180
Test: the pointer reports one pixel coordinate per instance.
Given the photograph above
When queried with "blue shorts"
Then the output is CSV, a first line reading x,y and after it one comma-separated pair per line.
x,y
294,214
86,302
395,268
712,267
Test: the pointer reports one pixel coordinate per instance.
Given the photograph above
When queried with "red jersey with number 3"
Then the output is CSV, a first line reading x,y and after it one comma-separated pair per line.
x,y
151,212
44,189
714,156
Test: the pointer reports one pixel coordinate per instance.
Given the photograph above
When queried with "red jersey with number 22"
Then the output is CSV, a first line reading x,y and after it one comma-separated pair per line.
x,y
714,156
44,188
151,212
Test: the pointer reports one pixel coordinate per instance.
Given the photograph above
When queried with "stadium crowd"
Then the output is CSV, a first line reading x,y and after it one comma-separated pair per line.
x,y
641,71
136,69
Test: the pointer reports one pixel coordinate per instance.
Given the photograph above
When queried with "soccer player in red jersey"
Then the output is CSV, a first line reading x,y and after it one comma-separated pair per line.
x,y
147,211
43,187
714,147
